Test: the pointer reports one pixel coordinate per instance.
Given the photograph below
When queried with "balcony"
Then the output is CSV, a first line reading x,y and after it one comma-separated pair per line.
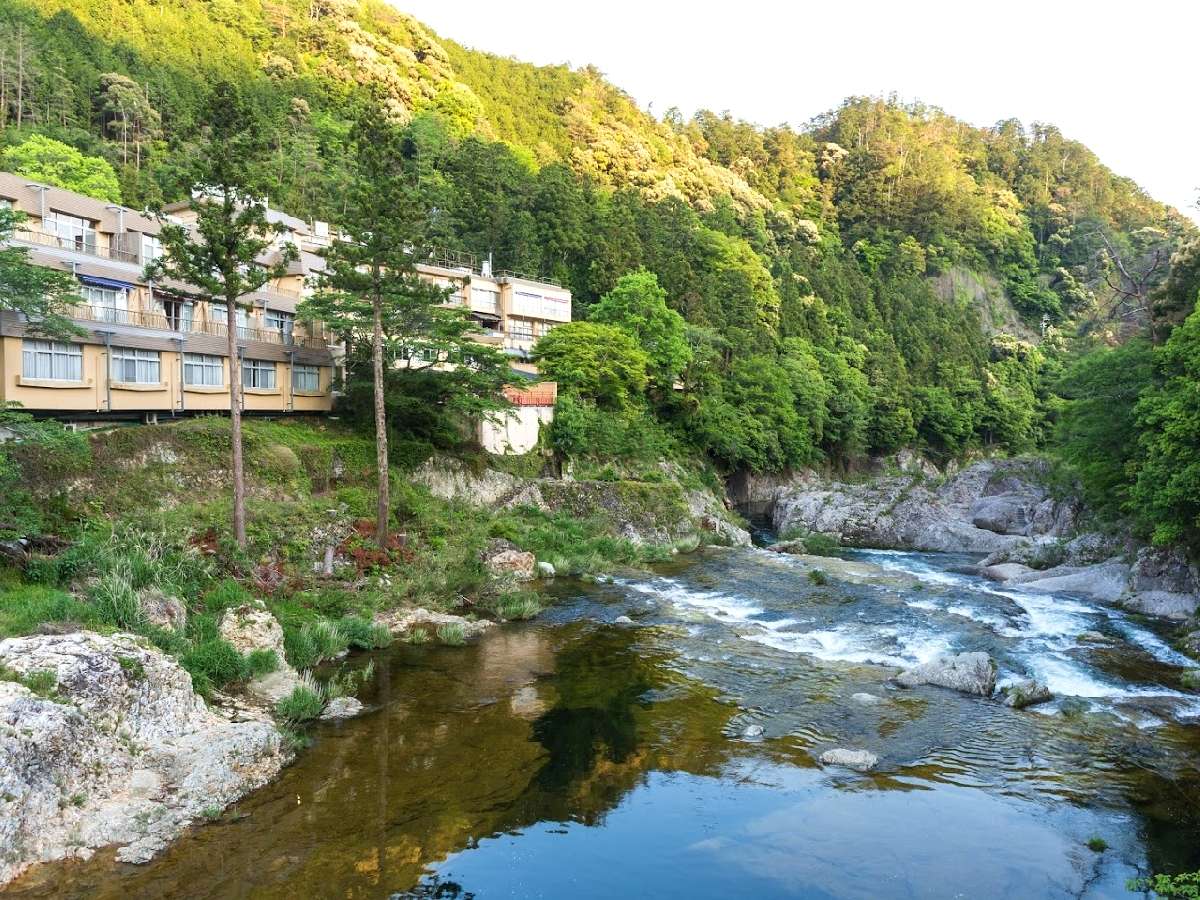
x,y
107,315
77,244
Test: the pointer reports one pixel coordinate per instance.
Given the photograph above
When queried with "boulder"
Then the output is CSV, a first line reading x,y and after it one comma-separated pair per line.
x,y
122,752
1004,571
752,731
545,569
858,760
342,708
622,620
162,610
1026,692
251,627
1004,513
1105,581
1162,603
505,559
866,699
398,621
970,673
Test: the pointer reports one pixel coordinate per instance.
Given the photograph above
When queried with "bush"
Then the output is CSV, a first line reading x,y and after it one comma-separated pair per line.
x,y
363,634
213,664
303,704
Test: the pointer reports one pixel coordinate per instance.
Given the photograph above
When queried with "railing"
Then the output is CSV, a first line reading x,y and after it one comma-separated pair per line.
x,y
78,245
136,318
540,279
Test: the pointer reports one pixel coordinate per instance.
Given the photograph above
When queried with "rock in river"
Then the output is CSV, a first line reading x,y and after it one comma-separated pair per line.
x,y
858,760
971,673
113,748
1025,693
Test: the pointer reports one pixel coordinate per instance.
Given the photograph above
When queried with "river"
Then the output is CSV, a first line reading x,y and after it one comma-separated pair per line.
x,y
576,757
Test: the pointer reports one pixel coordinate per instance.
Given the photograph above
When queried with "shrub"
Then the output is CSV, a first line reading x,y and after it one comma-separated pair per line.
x,y
213,664
261,662
363,634
303,704
518,605
1185,886
818,577
1097,844
452,634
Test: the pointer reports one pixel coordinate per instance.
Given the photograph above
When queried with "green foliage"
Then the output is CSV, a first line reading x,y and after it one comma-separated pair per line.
x,y
303,704
362,634
1097,844
451,634
818,577
40,158
599,363
42,682
213,664
1184,886
416,635
638,305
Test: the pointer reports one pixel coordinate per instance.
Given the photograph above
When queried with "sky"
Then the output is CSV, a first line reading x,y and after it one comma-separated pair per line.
x,y
1121,78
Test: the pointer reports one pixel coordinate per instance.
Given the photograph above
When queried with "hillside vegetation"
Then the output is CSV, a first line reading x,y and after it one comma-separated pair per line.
x,y
880,277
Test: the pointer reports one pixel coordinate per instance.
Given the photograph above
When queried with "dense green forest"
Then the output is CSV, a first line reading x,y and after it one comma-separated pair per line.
x,y
883,276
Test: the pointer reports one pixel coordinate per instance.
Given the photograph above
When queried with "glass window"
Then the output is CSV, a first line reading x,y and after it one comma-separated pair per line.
x,y
151,248
282,322
258,373
521,329
306,378
108,304
51,360
136,366
72,231
202,369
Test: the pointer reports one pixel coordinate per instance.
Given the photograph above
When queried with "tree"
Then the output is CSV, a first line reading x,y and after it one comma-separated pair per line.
x,y
131,118
39,294
370,285
598,362
221,256
638,306
52,162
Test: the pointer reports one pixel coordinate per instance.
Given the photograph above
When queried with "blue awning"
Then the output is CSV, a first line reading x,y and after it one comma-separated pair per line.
x,y
112,283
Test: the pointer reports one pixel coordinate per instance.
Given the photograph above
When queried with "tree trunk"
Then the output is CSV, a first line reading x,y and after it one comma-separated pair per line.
x,y
381,449
235,429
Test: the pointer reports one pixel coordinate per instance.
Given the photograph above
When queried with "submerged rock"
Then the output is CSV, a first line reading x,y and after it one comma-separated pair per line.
x,y
970,673
1026,692
866,699
120,751
752,731
858,760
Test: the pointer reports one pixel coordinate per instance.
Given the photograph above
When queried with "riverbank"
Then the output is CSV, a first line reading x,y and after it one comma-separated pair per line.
x,y
676,720
131,555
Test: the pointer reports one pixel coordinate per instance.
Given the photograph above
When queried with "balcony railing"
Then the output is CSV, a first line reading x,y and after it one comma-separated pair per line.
x,y
78,244
108,315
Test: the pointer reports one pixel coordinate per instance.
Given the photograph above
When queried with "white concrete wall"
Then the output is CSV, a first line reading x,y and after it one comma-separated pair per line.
x,y
515,432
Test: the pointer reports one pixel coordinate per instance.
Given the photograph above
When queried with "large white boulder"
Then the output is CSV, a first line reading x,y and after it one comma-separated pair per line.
x,y
970,673
121,751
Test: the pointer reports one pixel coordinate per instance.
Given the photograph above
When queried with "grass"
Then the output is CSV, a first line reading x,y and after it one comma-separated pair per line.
x,y
815,543
452,634
818,577
1097,844
303,704
1190,679
417,635
517,605
41,682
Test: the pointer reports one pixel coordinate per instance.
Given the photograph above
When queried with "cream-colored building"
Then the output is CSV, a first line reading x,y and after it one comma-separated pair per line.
x,y
147,348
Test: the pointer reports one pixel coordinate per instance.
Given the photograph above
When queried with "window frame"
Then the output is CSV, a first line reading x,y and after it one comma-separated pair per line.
x,y
70,352
205,362
146,365
308,371
255,370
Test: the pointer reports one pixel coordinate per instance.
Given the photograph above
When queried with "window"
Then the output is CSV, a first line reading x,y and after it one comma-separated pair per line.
x,y
51,360
485,300
521,329
108,304
306,378
219,315
178,313
136,366
282,322
72,231
202,369
151,248
258,373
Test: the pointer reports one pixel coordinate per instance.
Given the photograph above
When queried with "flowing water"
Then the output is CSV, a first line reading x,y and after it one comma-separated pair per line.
x,y
575,757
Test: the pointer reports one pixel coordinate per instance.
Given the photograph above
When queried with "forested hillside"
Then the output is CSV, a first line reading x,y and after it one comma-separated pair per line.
x,y
883,276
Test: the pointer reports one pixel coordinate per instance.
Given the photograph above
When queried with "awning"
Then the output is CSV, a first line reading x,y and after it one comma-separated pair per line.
x,y
112,283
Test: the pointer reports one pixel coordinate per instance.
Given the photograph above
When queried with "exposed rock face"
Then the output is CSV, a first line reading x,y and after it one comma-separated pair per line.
x,y
1025,693
125,753
858,760
1106,581
970,673
1163,583
988,506
451,479
1004,571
